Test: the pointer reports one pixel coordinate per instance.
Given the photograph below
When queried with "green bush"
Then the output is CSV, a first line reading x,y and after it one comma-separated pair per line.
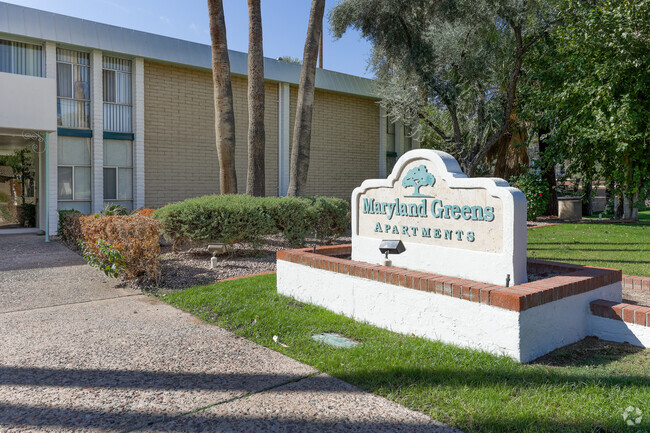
x,y
292,216
105,257
28,215
114,210
331,217
70,228
535,189
241,218
221,218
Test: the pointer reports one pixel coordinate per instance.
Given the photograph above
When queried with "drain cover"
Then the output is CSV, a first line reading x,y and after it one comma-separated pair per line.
x,y
335,340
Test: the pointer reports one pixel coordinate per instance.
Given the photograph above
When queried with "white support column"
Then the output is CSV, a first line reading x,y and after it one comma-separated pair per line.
x,y
283,138
97,126
50,182
382,143
415,141
399,138
138,130
50,60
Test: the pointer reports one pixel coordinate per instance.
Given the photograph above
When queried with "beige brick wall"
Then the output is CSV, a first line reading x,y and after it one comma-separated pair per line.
x,y
180,151
344,142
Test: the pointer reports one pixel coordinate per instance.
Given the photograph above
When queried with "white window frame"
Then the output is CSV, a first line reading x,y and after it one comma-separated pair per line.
x,y
117,177
73,199
72,98
117,182
114,79
13,59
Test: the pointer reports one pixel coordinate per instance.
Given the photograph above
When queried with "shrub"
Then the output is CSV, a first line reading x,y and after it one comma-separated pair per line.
x,y
70,228
221,218
292,216
28,215
146,212
535,189
107,258
331,217
135,237
242,218
113,210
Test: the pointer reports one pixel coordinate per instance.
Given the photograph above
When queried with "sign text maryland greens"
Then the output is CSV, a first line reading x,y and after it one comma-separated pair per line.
x,y
419,212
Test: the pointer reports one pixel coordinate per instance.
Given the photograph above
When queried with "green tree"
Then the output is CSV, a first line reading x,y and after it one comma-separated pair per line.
x,y
590,87
451,65
223,101
305,106
256,136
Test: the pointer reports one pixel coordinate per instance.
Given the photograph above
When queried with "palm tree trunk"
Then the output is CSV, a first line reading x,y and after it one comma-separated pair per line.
x,y
302,127
256,136
224,113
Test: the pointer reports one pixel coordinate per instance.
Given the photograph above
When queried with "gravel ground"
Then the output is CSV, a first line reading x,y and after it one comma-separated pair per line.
x,y
191,266
638,296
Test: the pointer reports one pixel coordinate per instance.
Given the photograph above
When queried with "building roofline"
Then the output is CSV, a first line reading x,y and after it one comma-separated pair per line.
x,y
48,26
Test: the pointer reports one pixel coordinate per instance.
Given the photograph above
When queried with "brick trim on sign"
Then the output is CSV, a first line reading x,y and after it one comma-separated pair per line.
x,y
632,282
629,313
573,279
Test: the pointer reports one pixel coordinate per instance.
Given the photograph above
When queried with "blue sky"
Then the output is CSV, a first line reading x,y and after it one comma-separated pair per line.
x,y
284,23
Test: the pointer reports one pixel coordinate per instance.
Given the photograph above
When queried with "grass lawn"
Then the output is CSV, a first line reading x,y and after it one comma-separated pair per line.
x,y
621,246
585,387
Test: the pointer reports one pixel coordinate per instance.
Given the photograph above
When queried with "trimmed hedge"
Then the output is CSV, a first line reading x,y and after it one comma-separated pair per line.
x,y
242,218
70,228
221,218
135,237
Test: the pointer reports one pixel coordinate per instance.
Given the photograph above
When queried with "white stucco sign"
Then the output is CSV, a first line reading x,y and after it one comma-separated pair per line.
x,y
450,224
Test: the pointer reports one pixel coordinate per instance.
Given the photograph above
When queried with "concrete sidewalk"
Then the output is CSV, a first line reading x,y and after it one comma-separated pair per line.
x,y
78,353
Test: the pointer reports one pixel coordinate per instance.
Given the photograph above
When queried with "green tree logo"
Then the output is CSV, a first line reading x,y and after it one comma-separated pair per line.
x,y
417,177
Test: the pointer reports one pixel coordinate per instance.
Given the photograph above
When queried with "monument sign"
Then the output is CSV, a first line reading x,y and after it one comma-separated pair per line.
x,y
450,224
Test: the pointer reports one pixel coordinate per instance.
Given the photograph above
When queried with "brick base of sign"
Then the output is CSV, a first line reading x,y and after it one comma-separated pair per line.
x,y
620,322
523,321
633,282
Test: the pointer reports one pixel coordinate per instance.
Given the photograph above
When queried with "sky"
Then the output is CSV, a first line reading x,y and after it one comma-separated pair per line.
x,y
284,25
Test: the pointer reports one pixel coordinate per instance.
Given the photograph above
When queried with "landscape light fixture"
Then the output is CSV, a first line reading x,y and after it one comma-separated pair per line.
x,y
387,247
215,250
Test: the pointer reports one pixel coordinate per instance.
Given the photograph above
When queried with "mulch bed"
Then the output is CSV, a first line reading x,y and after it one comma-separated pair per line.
x,y
191,266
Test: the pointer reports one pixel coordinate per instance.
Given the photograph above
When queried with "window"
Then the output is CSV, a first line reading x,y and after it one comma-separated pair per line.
x,y
118,172
408,138
390,136
73,88
116,77
391,154
74,173
21,58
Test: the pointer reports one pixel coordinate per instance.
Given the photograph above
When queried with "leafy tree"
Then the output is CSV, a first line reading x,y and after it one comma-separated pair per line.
x,y
224,112
290,59
256,136
305,106
590,87
452,65
418,177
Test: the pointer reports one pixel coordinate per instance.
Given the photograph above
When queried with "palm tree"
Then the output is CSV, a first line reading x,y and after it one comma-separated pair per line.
x,y
256,136
305,106
224,113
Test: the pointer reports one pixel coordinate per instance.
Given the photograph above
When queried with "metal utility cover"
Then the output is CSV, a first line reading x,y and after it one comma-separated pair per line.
x,y
335,340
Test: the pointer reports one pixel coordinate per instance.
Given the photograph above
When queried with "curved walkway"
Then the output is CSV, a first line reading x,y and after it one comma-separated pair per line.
x,y
79,353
